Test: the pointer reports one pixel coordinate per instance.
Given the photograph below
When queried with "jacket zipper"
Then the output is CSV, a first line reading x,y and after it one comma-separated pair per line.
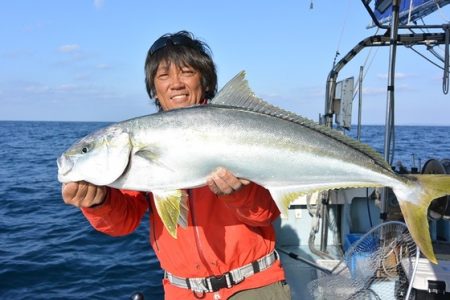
x,y
197,234
152,227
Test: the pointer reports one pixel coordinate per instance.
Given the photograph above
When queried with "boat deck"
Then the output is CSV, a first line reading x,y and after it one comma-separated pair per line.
x,y
299,274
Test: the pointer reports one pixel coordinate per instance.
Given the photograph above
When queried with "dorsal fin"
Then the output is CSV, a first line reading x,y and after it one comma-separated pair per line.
x,y
237,93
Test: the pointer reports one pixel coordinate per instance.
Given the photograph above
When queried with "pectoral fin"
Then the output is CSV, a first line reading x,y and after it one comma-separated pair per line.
x,y
152,157
172,208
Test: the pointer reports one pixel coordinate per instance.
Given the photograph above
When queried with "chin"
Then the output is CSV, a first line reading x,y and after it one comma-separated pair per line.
x,y
182,104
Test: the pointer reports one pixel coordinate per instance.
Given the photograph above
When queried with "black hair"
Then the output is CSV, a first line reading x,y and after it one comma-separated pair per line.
x,y
182,49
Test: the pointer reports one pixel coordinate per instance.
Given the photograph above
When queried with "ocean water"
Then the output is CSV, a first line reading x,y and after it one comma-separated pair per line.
x,y
414,145
49,251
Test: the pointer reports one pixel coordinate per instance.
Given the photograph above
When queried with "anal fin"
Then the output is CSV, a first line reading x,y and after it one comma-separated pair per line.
x,y
172,209
284,196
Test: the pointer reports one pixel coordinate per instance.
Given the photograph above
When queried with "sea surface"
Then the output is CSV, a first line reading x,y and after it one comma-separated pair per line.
x,y
49,251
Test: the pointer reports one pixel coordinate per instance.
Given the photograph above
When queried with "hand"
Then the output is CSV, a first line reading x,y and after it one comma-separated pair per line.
x,y
83,194
223,182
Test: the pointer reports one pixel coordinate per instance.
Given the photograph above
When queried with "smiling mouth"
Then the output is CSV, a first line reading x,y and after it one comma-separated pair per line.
x,y
179,97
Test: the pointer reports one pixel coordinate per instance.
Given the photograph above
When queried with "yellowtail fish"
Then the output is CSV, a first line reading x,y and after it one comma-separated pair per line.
x,y
168,152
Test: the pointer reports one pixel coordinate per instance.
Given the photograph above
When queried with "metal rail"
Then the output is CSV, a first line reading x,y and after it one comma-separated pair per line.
x,y
393,39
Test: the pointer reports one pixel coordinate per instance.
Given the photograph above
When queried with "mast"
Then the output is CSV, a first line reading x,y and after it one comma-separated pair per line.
x,y
390,101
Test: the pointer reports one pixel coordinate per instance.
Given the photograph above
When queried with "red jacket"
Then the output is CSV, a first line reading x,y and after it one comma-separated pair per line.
x,y
224,232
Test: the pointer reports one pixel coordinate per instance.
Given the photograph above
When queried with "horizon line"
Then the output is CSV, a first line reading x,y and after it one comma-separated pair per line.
x,y
105,121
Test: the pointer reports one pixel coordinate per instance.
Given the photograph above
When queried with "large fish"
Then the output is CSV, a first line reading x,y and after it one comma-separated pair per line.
x,y
167,152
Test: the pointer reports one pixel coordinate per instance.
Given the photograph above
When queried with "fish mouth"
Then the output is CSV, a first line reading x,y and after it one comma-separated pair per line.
x,y
65,165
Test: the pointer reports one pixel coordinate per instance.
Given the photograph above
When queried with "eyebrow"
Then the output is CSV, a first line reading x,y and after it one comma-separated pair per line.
x,y
165,66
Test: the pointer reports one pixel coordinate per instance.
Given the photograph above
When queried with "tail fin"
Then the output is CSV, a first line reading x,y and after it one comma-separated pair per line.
x,y
414,208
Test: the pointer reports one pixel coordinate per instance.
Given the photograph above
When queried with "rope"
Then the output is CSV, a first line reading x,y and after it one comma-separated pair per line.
x,y
445,78
342,33
426,58
366,69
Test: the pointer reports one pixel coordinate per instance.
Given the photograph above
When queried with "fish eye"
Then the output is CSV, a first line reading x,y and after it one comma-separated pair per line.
x,y
85,149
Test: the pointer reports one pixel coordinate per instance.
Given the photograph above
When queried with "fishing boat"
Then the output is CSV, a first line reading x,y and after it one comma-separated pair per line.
x,y
328,240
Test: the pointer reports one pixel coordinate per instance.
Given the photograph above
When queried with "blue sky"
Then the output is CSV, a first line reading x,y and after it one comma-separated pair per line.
x,y
83,60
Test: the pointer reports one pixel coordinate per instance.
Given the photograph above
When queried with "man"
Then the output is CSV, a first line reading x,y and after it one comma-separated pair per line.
x,y
227,250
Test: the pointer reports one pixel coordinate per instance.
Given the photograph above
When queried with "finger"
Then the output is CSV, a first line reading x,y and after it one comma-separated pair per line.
x,y
86,195
94,195
69,191
212,186
222,185
100,195
229,178
82,194
82,191
244,181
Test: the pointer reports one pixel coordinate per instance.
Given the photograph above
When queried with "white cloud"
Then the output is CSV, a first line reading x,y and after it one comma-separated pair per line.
x,y
398,75
99,3
71,48
376,91
370,91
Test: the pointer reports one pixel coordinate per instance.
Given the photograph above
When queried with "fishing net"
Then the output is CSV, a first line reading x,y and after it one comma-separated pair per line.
x,y
377,266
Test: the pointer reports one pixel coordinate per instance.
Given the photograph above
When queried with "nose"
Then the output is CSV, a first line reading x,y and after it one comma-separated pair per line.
x,y
176,81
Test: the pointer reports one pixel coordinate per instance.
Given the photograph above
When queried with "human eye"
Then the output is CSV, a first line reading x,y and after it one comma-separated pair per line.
x,y
162,75
187,71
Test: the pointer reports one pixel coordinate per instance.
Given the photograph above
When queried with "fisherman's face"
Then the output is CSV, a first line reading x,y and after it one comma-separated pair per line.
x,y
177,87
